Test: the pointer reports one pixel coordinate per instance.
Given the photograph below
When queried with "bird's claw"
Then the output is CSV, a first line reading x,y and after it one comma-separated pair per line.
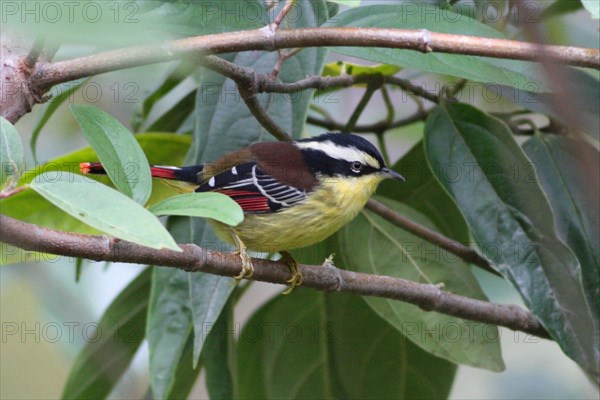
x,y
247,268
296,278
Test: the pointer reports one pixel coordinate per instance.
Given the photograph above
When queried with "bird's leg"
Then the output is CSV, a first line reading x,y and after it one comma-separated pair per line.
x,y
296,278
247,268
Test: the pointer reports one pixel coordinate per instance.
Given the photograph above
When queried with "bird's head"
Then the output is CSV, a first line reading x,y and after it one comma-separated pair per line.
x,y
344,156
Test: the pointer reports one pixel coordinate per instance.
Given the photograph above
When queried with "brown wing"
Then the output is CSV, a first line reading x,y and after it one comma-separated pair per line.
x,y
281,160
284,162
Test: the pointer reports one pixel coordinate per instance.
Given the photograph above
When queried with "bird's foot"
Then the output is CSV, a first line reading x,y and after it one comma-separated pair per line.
x,y
247,268
296,278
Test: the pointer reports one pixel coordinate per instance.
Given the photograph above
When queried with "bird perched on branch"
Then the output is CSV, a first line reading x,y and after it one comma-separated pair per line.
x,y
293,194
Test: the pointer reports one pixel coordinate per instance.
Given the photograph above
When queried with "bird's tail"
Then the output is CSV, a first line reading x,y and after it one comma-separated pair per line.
x,y
183,174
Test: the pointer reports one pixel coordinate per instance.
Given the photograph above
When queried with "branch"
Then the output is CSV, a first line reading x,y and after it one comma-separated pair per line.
x,y
287,7
372,87
265,39
466,253
265,83
246,81
321,277
49,74
380,126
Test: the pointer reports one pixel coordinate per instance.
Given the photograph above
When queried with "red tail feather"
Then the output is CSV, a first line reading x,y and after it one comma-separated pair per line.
x,y
164,172
157,172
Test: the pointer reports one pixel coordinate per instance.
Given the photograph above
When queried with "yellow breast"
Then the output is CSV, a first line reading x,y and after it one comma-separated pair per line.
x,y
329,207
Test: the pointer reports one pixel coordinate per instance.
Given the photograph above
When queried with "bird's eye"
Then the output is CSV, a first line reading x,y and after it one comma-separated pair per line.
x,y
356,167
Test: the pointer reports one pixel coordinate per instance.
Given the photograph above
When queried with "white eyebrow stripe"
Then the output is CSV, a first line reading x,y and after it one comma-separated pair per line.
x,y
341,152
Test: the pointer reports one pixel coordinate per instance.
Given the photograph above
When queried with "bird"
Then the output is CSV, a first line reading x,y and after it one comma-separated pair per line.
x,y
293,194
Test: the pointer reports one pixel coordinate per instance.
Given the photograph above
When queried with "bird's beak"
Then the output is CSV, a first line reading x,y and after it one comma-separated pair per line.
x,y
390,173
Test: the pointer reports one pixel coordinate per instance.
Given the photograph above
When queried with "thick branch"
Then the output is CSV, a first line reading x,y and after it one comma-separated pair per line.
x,y
327,277
20,91
266,39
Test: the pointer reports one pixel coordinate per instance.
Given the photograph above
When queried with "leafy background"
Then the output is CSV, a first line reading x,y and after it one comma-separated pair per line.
x,y
47,294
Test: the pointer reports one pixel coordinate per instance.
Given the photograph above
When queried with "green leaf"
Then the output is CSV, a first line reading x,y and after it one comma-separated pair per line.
x,y
168,328
207,293
497,190
11,152
340,349
120,154
60,94
371,244
411,16
216,206
186,374
424,193
568,171
345,68
104,209
593,6
218,350
100,364
28,206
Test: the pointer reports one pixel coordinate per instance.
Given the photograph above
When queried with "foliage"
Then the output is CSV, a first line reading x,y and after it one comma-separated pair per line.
x,y
528,203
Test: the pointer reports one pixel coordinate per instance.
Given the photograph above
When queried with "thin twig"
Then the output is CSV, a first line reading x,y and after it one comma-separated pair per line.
x,y
245,79
466,253
321,111
410,87
450,91
380,126
283,57
248,93
287,7
382,147
387,100
428,297
11,192
372,86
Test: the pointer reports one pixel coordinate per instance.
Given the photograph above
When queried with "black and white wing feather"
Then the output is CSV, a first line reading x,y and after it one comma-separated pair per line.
x,y
254,190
